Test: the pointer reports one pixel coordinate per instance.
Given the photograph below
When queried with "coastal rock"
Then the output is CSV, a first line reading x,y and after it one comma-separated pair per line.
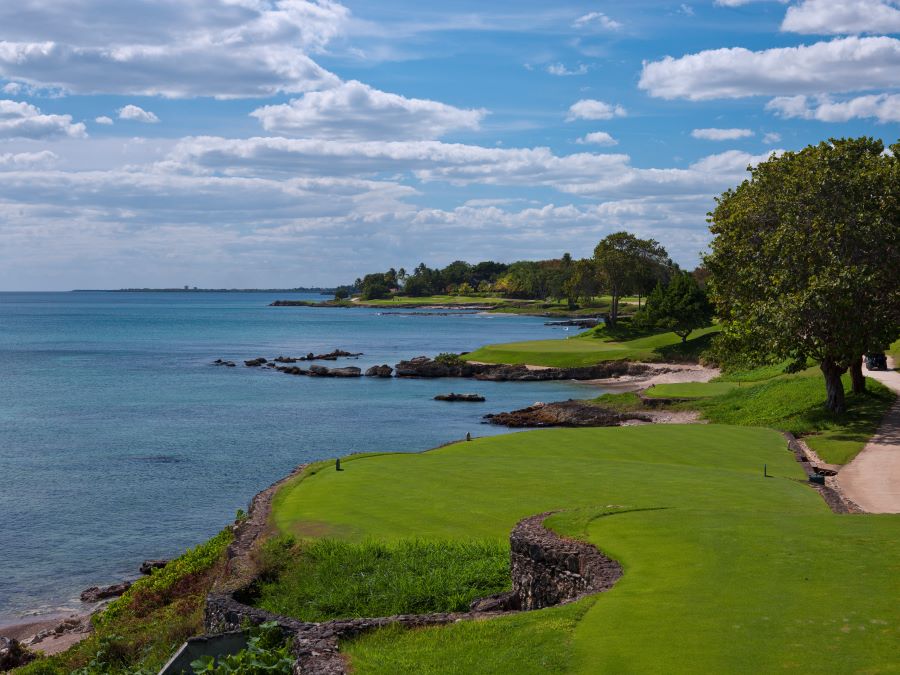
x,y
471,398
564,414
422,366
13,654
380,371
149,565
97,593
322,371
330,356
580,323
252,363
222,362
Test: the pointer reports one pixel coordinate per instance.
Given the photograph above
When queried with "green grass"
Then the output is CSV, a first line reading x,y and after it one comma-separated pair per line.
x,y
690,389
329,579
408,300
623,402
732,572
894,352
594,347
795,403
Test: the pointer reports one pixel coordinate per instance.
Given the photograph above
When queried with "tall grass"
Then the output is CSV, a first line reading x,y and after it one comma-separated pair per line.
x,y
327,578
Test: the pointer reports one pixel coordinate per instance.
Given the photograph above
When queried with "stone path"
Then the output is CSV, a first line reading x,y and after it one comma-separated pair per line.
x,y
872,479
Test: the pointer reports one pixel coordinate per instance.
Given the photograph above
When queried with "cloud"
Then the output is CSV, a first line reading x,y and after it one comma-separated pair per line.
x,y
686,9
23,120
841,65
771,137
596,19
221,48
828,17
103,119
882,107
721,134
590,109
357,111
29,160
561,70
739,3
597,138
135,113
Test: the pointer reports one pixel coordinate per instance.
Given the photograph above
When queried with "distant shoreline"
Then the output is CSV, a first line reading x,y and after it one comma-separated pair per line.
x,y
322,291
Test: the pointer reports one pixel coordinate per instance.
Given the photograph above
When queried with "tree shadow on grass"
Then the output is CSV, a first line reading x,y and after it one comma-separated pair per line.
x,y
686,352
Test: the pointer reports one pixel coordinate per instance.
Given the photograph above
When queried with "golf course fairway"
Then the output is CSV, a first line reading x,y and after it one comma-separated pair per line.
x,y
725,570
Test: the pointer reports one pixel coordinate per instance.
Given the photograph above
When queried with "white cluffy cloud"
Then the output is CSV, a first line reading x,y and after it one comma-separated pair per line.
x,y
26,160
721,134
221,48
597,138
591,109
103,119
882,107
739,3
598,19
23,120
771,137
136,114
357,111
847,17
562,71
841,65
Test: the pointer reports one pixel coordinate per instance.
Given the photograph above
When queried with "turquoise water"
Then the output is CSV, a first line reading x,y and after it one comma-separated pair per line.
x,y
119,441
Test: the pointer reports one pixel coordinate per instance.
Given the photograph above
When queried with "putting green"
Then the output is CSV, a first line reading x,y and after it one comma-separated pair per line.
x,y
731,571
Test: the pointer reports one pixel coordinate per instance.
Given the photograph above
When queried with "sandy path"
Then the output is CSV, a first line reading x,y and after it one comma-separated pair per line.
x,y
872,479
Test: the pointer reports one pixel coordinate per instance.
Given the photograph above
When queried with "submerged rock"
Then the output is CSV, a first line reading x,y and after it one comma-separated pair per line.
x,y
564,414
252,363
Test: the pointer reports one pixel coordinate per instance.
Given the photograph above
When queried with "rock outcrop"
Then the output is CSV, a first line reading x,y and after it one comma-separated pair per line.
x,y
98,593
253,363
13,654
149,565
422,366
330,356
321,371
223,362
564,414
380,371
468,398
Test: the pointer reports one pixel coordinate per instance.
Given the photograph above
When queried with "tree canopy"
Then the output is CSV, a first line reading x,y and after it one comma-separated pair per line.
x,y
804,260
681,306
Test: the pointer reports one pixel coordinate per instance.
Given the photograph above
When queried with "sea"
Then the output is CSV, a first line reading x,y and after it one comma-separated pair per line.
x,y
120,441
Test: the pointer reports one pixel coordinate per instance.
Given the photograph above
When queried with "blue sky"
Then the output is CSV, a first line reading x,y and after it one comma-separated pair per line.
x,y
244,143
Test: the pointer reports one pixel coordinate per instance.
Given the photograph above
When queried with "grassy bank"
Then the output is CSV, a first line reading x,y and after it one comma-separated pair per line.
x,y
138,632
768,397
595,346
733,572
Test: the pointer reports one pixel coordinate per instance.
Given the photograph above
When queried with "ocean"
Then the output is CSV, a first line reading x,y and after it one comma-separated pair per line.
x,y
120,441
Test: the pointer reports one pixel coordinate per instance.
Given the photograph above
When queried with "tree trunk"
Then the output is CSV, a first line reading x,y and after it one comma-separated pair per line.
x,y
857,377
614,309
833,386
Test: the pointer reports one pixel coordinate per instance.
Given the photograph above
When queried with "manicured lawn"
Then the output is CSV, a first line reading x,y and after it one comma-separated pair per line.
x,y
690,389
894,351
588,349
733,572
400,301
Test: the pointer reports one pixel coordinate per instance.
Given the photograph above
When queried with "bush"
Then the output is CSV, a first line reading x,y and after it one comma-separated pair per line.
x,y
266,652
449,359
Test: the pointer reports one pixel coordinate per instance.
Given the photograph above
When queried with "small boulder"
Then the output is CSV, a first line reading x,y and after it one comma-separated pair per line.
x,y
469,398
149,565
98,593
252,363
380,371
13,654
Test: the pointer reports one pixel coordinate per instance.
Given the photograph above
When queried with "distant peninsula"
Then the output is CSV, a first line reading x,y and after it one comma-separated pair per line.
x,y
194,289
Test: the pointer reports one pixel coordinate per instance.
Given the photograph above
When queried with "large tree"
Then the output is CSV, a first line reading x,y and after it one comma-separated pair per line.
x,y
624,263
681,306
805,262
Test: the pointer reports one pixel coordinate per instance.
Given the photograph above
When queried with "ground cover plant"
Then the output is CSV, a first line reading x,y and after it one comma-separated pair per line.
x,y
138,632
328,578
596,346
725,570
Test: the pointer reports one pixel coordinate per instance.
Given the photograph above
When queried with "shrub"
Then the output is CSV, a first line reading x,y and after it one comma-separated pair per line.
x,y
449,359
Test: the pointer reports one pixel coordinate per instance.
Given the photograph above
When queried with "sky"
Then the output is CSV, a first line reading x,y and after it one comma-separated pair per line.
x,y
280,143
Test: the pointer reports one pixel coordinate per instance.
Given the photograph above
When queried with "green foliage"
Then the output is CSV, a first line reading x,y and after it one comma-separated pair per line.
x,y
266,652
328,579
625,402
342,292
449,359
804,257
680,307
627,264
373,287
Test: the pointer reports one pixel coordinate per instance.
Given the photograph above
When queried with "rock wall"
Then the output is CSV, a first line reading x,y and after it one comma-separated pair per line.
x,y
548,570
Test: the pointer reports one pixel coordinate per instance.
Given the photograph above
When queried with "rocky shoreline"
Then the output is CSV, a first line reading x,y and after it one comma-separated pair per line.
x,y
569,413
